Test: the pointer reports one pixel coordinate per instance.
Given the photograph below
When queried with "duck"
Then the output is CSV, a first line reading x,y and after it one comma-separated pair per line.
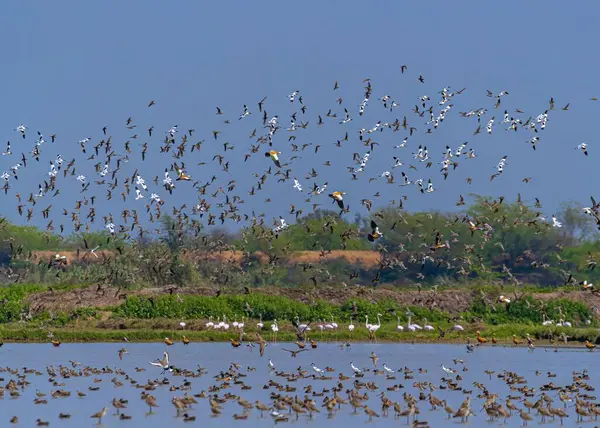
x,y
274,155
338,197
375,233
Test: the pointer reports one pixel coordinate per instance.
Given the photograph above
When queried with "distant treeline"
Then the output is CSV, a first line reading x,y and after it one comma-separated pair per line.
x,y
492,240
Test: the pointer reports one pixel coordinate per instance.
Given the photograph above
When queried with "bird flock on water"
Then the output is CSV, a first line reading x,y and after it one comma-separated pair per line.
x,y
375,388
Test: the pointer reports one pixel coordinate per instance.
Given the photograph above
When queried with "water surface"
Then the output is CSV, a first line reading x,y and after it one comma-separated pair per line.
x,y
216,357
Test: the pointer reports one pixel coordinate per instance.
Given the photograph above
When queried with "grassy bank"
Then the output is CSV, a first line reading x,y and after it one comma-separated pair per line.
x,y
142,317
157,330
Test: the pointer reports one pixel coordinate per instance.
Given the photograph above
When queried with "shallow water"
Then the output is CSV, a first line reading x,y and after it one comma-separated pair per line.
x,y
217,356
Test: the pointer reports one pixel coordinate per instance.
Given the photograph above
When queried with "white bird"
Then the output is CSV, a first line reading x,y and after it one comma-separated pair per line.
x,y
7,152
245,113
373,327
141,182
406,180
419,184
460,149
302,326
172,131
111,228
21,129
412,327
490,125
163,364
503,299
501,164
583,148
545,321
426,326
447,370
280,227
297,185
387,369
93,251
399,327
555,222
274,413
403,144
347,118
259,324
355,369
367,324
209,324
351,326
533,141
430,188
271,365
274,329
316,369
333,323
457,327
292,96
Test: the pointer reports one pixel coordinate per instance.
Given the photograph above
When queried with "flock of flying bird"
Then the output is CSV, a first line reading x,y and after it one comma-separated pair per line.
x,y
109,170
102,171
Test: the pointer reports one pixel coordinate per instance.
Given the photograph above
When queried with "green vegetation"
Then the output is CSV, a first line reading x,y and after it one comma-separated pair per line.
x,y
153,318
510,243
493,247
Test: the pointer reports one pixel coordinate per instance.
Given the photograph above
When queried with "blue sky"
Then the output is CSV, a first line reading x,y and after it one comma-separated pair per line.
x,y
72,67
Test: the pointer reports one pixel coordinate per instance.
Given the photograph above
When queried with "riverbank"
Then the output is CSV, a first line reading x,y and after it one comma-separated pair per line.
x,y
91,314
156,331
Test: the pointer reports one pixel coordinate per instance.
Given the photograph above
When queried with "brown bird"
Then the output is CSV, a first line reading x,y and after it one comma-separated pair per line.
x,y
100,415
261,343
294,353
